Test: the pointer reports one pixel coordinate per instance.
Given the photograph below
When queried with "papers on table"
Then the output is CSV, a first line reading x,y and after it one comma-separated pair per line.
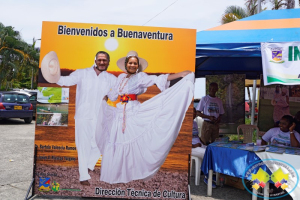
x,y
292,150
234,145
281,150
275,149
252,147
259,148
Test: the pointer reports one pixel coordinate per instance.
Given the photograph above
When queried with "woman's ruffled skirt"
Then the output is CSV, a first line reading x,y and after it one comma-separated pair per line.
x,y
151,130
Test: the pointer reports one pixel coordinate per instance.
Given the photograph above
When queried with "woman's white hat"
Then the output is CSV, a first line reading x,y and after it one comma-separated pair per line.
x,y
143,63
50,67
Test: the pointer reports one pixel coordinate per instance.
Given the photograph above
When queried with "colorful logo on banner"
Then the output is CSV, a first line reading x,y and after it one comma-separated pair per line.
x,y
277,55
262,177
280,62
55,186
277,172
44,185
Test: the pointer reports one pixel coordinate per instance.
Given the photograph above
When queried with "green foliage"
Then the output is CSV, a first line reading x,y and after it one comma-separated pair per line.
x,y
247,121
281,4
18,60
41,118
233,13
235,137
47,117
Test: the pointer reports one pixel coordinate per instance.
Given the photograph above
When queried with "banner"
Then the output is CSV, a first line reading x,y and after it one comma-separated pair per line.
x,y
281,63
232,93
143,145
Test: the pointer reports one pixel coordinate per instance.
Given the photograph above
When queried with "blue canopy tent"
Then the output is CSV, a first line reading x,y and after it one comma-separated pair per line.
x,y
235,47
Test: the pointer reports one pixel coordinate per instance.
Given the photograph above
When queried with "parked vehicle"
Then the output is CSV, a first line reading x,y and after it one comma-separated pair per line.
x,y
15,105
33,100
32,94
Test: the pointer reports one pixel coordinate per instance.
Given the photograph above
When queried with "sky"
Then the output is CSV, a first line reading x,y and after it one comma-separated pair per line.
x,y
26,16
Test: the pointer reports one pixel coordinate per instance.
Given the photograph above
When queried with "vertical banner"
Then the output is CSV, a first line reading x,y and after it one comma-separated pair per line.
x,y
135,144
281,63
232,93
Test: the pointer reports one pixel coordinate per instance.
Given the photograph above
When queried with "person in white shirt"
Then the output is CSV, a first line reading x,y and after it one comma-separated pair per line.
x,y
210,109
284,135
93,84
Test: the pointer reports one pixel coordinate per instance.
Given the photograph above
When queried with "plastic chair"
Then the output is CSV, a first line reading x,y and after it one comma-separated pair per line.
x,y
199,121
247,132
198,162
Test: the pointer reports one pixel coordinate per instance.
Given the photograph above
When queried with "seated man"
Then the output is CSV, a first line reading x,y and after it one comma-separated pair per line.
x,y
284,135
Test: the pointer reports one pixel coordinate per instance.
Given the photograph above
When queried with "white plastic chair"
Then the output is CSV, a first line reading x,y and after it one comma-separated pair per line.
x,y
199,121
198,162
247,132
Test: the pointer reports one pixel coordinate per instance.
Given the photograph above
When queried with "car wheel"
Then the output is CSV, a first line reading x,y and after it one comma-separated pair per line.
x,y
28,120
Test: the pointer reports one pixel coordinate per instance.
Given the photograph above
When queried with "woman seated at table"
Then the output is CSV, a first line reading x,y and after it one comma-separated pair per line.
x,y
284,135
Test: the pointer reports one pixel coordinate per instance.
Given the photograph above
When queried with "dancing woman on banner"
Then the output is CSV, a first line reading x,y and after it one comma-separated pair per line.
x,y
135,138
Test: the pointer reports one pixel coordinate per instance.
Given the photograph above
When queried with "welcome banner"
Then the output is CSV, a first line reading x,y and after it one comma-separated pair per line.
x,y
281,63
167,51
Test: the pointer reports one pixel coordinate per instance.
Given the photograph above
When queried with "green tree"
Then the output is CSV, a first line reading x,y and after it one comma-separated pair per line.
x,y
278,4
17,59
233,13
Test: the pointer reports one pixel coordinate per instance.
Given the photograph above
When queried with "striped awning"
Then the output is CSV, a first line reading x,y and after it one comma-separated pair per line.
x,y
235,47
267,26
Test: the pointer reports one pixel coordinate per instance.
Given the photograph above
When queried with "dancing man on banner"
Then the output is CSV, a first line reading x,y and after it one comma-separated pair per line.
x,y
93,84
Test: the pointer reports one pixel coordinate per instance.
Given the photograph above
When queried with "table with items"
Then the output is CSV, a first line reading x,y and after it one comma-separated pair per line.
x,y
248,161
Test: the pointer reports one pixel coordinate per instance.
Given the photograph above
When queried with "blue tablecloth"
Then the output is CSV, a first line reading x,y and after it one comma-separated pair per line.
x,y
232,162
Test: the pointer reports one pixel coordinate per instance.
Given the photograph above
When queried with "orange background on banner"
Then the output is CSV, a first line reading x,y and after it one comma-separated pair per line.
x,y
163,56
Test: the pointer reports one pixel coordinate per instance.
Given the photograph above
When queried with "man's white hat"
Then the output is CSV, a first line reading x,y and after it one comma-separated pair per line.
x,y
50,67
143,64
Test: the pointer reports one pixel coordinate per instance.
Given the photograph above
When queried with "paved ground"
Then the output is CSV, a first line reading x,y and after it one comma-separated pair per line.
x,y
16,166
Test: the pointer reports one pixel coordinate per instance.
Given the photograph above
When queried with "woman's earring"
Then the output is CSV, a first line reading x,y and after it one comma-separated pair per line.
x,y
137,70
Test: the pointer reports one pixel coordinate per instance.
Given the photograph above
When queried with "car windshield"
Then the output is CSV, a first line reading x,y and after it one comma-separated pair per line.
x,y
12,98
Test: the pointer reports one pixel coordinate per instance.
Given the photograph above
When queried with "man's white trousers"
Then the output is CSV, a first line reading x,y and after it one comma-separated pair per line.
x,y
88,152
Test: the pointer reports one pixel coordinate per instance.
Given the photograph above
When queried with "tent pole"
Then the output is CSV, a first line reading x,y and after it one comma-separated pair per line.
x,y
249,94
253,102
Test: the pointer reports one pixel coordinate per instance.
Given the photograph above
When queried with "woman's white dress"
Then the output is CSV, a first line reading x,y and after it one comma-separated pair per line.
x,y
151,127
